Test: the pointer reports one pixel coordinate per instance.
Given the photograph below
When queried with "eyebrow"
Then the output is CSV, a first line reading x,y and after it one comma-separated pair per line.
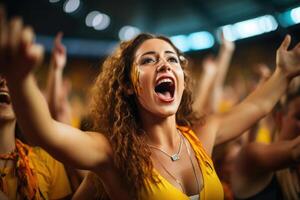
x,y
153,52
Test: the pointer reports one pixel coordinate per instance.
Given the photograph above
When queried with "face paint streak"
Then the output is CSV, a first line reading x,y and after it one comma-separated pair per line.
x,y
136,80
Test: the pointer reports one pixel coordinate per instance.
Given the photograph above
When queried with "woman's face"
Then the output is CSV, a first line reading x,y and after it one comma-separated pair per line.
x,y
6,109
158,78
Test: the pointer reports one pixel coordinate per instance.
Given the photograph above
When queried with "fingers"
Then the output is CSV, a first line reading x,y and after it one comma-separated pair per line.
x,y
35,54
286,43
222,37
3,34
14,31
27,37
57,40
58,46
58,37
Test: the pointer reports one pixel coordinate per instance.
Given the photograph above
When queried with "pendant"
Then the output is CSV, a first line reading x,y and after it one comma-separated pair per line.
x,y
175,157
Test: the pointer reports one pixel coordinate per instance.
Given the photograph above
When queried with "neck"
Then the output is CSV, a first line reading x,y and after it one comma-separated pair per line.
x,y
161,132
7,136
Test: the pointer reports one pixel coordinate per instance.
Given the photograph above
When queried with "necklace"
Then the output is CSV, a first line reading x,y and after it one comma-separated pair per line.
x,y
194,170
173,157
193,167
172,176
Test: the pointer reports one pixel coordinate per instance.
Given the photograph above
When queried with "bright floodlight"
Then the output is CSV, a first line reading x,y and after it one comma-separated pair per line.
x,y
71,5
90,17
295,15
249,28
54,1
200,40
181,42
101,21
128,32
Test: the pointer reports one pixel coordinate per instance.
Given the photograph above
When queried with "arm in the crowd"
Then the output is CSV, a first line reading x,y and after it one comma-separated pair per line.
x,y
205,85
222,61
266,124
57,138
227,126
57,91
264,160
62,141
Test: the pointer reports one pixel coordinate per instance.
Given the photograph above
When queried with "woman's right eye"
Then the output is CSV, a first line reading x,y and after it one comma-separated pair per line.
x,y
145,61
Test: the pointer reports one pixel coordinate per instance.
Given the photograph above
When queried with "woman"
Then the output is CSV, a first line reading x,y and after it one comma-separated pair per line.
x,y
26,172
140,97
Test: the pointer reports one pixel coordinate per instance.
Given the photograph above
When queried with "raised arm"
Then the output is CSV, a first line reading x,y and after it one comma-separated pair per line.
x,y
205,86
19,55
57,91
222,61
264,160
224,127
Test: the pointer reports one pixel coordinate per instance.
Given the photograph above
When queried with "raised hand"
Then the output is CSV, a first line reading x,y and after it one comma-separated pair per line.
x,y
288,60
59,56
209,66
263,72
226,44
19,55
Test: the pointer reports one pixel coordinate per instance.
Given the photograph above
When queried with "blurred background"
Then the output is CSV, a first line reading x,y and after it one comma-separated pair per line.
x,y
92,28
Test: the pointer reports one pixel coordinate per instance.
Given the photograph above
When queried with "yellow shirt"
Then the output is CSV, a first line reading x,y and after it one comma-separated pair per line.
x,y
263,135
212,187
52,178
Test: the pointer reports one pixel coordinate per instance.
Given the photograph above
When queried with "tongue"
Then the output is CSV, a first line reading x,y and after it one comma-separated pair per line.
x,y
165,96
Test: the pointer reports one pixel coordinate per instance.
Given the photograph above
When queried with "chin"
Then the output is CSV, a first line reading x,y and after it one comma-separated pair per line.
x,y
7,115
7,118
166,112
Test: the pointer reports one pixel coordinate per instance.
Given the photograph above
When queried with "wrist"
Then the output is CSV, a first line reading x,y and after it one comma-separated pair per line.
x,y
18,83
281,75
227,49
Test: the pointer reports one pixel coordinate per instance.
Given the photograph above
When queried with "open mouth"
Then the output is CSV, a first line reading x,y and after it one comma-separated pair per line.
x,y
165,89
4,98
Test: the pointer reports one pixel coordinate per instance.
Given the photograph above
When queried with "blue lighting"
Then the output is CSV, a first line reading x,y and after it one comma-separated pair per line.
x,y
250,28
295,15
290,17
181,42
200,40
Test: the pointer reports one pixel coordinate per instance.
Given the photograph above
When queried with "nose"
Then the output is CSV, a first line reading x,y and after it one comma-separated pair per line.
x,y
2,81
163,65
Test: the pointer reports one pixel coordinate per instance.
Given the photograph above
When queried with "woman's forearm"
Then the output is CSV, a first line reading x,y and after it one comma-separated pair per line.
x,y
267,95
31,109
54,87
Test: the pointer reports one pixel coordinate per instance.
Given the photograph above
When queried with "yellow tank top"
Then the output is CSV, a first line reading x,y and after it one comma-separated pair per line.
x,y
212,187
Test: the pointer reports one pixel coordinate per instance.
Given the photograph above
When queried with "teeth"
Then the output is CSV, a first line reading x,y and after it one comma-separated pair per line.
x,y
165,80
4,93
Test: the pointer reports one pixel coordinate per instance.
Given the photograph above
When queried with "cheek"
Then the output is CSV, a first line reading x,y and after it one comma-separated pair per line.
x,y
180,75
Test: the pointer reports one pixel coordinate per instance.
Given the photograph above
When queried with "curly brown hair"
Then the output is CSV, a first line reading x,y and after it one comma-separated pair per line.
x,y
115,114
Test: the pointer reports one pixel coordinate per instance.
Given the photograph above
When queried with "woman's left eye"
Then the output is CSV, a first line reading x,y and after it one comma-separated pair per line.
x,y
173,60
